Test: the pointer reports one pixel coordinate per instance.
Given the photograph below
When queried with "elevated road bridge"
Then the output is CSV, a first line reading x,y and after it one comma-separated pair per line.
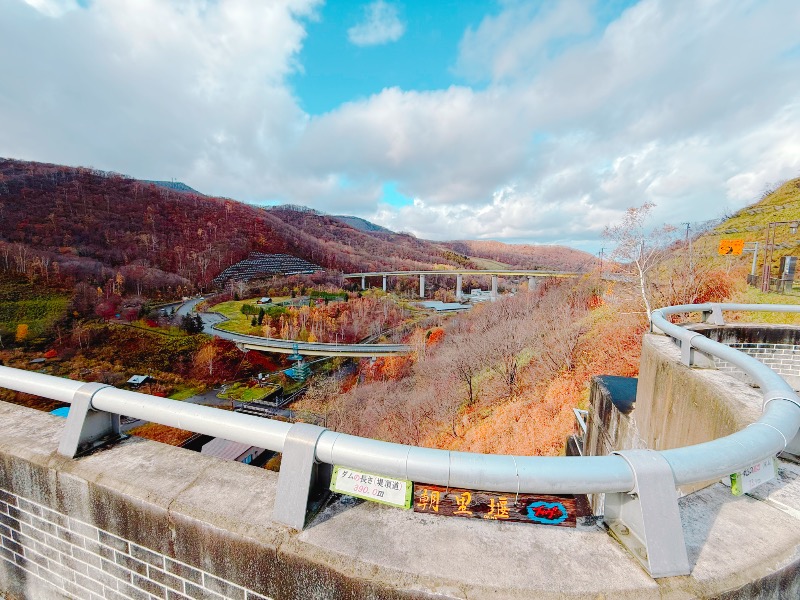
x,y
459,274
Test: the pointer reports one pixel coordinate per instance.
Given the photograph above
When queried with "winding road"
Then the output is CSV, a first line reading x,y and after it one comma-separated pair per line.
x,y
252,342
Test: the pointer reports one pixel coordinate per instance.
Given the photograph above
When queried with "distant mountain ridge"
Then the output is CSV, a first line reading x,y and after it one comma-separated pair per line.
x,y
91,225
526,256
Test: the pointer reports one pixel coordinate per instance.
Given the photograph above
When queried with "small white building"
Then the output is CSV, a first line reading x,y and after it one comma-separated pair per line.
x,y
138,380
228,450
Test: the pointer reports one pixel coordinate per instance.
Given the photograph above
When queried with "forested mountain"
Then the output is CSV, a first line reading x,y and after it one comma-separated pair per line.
x,y
525,256
362,224
79,223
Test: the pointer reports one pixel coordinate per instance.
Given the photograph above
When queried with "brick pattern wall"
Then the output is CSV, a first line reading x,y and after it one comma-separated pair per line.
x,y
784,359
77,560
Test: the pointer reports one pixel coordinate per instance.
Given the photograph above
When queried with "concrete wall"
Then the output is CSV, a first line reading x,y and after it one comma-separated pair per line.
x,y
675,406
777,346
679,406
145,521
607,429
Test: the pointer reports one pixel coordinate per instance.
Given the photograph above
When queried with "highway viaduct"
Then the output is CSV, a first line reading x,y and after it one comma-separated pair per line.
x,y
459,273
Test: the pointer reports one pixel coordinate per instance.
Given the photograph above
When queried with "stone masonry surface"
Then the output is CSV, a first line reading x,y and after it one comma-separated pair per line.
x,y
784,359
86,563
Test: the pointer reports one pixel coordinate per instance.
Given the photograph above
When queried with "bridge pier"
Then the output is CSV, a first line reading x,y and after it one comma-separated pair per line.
x,y
531,283
384,283
494,287
421,285
363,282
459,285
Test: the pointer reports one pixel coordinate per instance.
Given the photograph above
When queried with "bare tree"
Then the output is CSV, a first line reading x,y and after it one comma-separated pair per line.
x,y
639,248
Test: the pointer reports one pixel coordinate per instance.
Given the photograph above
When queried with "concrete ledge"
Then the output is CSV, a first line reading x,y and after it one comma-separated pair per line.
x,y
214,516
679,406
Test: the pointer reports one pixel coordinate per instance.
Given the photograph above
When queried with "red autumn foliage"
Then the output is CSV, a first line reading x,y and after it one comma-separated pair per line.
x,y
435,337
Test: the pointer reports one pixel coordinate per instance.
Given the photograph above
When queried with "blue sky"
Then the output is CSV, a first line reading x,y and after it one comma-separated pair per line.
x,y
424,58
515,120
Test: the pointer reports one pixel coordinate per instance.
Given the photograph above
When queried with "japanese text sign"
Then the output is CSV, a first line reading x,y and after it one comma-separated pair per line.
x,y
750,478
369,486
496,506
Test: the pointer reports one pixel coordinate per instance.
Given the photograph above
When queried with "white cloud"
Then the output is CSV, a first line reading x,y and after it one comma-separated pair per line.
x,y
381,25
694,105
520,38
192,90
53,8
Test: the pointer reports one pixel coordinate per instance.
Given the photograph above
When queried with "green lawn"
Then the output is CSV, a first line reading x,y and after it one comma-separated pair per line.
x,y
244,393
755,296
184,393
39,315
239,322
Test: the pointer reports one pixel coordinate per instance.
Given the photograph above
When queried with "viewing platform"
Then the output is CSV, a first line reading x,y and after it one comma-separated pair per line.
x,y
140,519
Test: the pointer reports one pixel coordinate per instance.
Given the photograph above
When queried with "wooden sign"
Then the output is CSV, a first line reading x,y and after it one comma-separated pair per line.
x,y
734,247
528,508
369,486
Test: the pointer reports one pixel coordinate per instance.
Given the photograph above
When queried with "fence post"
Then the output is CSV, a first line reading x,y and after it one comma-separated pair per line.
x,y
87,428
646,520
300,475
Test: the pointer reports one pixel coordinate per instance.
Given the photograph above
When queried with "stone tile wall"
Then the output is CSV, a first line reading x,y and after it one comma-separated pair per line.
x,y
59,556
784,359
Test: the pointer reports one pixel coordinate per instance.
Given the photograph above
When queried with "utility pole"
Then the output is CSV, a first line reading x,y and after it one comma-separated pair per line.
x,y
689,244
601,254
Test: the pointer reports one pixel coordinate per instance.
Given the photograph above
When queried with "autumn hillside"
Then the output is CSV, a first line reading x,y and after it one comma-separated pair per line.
x,y
750,224
526,256
87,224
87,221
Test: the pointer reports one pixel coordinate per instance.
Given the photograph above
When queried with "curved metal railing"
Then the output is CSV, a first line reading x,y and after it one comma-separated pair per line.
x,y
778,425
641,508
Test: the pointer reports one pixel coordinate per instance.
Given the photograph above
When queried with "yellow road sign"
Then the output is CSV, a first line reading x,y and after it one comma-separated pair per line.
x,y
731,247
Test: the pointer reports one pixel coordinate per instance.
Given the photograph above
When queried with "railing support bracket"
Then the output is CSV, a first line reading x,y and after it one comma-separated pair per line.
x,y
88,429
713,316
646,520
300,475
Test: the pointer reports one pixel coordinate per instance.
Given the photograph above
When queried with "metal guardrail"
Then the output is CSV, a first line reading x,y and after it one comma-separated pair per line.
x,y
254,342
640,485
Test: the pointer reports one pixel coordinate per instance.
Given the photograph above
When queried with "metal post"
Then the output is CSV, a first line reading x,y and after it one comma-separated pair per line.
x,y
298,476
421,285
459,285
766,270
647,520
87,428
755,260
494,287
384,283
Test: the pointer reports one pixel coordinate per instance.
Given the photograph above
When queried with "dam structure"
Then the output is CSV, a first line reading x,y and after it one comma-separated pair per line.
x,y
87,514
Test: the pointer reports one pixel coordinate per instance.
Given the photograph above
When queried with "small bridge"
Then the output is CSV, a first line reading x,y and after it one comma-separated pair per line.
x,y
459,273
